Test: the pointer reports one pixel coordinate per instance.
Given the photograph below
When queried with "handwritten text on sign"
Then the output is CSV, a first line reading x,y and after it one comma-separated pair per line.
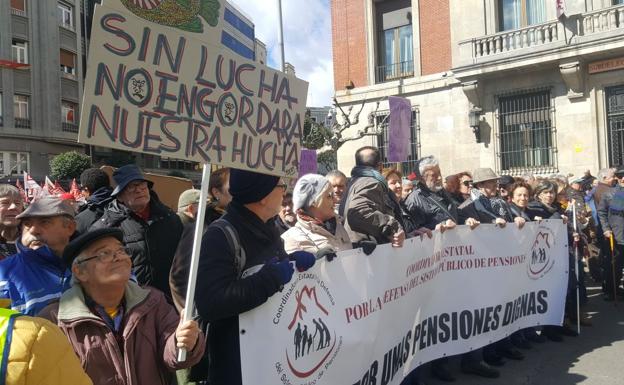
x,y
174,96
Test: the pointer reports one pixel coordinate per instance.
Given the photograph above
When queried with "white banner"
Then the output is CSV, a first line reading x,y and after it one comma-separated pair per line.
x,y
372,319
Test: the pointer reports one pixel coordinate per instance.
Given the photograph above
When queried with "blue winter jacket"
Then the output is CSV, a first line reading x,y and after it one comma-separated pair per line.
x,y
32,279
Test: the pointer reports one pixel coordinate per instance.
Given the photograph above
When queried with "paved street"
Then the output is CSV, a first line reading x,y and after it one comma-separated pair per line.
x,y
594,358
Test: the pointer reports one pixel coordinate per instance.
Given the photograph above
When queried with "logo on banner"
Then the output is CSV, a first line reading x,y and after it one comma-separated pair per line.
x,y
541,260
314,343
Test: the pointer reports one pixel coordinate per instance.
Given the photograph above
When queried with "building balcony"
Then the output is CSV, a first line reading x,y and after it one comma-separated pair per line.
x,y
19,12
580,34
22,122
394,71
69,127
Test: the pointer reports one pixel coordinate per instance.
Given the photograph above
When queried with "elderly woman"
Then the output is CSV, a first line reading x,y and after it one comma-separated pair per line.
x,y
122,333
520,194
317,225
545,206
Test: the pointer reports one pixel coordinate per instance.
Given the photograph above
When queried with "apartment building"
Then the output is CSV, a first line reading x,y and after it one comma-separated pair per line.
x,y
43,55
40,83
510,84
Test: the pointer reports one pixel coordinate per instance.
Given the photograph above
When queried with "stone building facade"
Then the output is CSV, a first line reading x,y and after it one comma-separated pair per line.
x,y
505,84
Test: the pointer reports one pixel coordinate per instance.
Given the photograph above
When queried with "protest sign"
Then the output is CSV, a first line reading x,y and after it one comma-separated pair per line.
x,y
308,164
156,89
372,319
399,129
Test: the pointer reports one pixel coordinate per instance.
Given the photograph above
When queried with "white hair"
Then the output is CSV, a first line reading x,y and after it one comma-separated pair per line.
x,y
605,173
426,162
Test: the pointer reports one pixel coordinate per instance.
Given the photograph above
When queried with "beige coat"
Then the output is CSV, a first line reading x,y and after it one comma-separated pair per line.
x,y
309,236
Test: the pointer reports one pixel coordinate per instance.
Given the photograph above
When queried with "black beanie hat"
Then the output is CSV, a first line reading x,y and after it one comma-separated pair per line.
x,y
248,186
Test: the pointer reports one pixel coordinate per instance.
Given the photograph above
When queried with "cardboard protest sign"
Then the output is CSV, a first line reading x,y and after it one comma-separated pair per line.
x,y
156,89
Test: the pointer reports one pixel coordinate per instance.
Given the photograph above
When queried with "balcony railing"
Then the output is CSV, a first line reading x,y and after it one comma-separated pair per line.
x,y
603,20
529,37
395,71
545,36
69,127
22,123
19,12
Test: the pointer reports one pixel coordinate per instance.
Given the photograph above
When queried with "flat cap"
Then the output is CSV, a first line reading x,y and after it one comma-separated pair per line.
x,y
75,247
188,197
49,206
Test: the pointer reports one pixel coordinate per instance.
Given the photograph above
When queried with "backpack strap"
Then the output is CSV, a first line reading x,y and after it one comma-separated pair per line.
x,y
240,259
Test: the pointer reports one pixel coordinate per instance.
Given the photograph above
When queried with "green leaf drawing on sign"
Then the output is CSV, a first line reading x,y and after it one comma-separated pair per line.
x,y
195,25
209,10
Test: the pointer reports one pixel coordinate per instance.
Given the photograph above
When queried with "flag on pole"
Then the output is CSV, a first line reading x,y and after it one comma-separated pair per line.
x,y
52,188
561,8
399,129
75,191
33,190
21,190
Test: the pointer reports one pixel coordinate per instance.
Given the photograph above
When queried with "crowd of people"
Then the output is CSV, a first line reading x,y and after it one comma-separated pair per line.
x,y
112,274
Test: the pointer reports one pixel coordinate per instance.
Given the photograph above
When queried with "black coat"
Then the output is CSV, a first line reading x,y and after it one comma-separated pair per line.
x,y
538,209
152,243
516,212
93,209
427,208
221,295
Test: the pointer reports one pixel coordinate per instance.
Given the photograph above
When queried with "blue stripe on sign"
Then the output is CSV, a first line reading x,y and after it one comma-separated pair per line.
x,y
232,43
238,23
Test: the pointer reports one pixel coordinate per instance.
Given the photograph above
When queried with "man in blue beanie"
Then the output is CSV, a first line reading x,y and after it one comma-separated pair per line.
x,y
242,264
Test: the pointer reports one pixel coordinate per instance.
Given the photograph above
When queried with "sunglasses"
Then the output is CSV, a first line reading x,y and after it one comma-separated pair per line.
x,y
467,183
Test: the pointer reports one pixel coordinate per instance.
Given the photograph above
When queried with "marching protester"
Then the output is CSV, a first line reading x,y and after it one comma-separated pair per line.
x,y
133,333
407,186
37,275
611,214
151,230
242,264
286,217
394,180
338,182
318,229
11,205
369,207
35,352
97,191
187,206
218,199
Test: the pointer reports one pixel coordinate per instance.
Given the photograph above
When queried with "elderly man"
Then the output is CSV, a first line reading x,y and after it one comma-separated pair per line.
x,y
11,205
286,217
369,207
242,264
611,214
151,230
133,333
97,191
188,204
338,183
37,275
407,186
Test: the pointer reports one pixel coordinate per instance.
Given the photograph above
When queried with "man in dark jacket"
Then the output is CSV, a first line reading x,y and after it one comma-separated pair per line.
x,y
611,214
230,284
97,191
369,208
151,230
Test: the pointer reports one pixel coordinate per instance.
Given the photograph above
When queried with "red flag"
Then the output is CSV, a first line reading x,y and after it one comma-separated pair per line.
x,y
75,191
57,188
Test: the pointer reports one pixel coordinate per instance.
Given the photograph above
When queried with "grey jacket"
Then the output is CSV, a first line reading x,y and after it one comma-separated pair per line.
x,y
368,211
611,213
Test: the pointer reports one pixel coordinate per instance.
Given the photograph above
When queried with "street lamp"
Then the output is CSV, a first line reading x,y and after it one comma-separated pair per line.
x,y
474,120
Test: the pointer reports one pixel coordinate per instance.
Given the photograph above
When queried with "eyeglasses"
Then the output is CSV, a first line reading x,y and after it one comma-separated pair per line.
x,y
467,183
134,186
107,256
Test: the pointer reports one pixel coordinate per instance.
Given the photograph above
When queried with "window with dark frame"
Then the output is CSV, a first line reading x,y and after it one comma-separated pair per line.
x,y
526,130
382,120
394,40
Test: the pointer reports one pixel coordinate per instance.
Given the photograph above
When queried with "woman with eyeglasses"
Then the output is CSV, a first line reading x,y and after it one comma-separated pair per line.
x,y
465,185
318,229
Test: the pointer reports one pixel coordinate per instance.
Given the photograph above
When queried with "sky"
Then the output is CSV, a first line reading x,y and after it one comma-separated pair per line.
x,y
307,41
